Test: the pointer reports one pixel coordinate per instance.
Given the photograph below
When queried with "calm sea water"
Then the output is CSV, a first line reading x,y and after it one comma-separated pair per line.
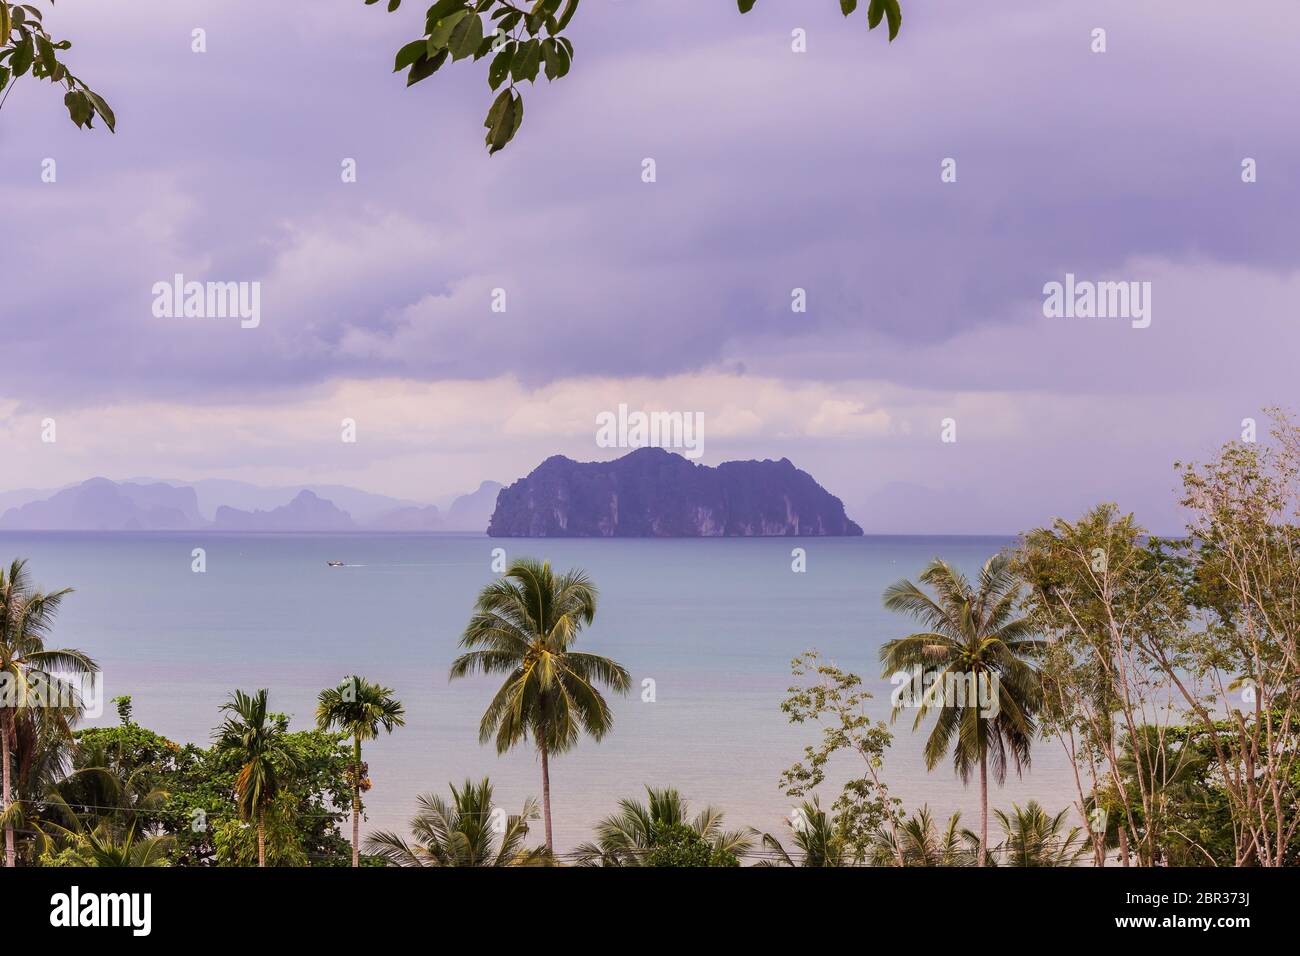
x,y
713,622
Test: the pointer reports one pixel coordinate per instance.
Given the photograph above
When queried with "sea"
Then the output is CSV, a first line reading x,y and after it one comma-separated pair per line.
x,y
706,627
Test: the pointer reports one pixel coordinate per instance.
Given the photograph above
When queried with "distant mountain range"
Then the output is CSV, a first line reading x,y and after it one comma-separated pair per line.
x,y
653,493
148,505
647,493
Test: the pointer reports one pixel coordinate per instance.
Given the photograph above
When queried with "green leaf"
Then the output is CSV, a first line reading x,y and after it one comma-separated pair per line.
x,y
4,77
24,53
875,13
425,67
6,22
442,8
895,15
500,66
527,61
102,109
466,37
79,107
745,5
503,120
569,10
393,5
497,110
548,58
410,53
45,50
556,58
848,6
440,35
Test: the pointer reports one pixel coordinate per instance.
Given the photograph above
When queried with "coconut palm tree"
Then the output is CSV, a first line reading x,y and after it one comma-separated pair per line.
x,y
1032,838
461,833
916,842
972,647
627,837
359,709
43,756
30,685
821,841
524,626
255,739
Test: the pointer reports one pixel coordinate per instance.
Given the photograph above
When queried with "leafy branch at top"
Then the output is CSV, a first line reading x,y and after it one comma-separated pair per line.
x,y
26,47
525,40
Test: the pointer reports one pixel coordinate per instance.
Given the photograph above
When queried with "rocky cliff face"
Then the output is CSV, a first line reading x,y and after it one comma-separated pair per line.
x,y
652,493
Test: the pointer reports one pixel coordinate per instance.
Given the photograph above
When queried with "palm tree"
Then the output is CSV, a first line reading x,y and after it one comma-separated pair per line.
x,y
27,669
359,709
43,756
627,837
256,739
106,846
524,626
820,839
916,842
971,640
105,792
1035,839
461,833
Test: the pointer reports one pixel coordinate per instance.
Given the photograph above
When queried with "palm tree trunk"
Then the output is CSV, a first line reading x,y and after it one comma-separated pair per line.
x,y
546,800
261,838
984,807
6,719
356,801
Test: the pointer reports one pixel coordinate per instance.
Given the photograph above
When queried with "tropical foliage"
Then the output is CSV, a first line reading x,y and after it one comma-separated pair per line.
x,y
661,830
255,738
834,699
975,663
107,846
38,703
818,840
525,626
468,830
1031,837
359,709
917,842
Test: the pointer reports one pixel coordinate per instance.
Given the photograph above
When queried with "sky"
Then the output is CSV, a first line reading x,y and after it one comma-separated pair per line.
x,y
775,170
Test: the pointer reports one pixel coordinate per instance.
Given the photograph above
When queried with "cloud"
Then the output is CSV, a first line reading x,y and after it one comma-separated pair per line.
x,y
775,171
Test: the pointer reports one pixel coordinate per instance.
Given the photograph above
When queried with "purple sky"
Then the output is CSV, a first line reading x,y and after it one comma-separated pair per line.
x,y
775,170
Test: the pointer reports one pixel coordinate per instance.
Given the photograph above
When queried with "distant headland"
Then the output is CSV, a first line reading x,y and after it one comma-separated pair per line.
x,y
653,493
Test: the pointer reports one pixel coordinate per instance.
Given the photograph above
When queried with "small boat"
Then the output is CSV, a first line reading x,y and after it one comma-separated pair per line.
x,y
335,564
